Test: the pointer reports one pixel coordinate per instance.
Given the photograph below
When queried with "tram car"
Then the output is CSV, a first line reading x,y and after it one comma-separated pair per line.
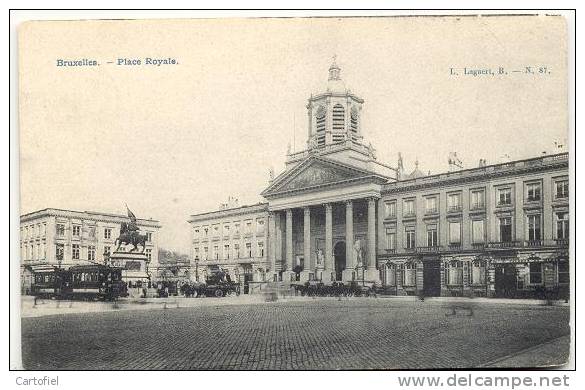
x,y
97,282
51,283
82,282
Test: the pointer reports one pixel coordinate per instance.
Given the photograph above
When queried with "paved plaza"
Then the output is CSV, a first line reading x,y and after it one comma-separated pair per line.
x,y
357,333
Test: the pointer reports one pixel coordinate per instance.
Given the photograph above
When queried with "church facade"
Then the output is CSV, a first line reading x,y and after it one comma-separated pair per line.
x,y
336,213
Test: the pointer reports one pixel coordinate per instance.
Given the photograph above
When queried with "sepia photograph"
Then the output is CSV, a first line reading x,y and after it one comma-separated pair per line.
x,y
390,192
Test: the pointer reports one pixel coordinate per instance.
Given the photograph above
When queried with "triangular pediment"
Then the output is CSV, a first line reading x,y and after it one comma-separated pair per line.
x,y
315,172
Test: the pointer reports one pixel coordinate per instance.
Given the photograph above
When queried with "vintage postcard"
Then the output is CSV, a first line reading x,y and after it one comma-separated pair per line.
x,y
295,193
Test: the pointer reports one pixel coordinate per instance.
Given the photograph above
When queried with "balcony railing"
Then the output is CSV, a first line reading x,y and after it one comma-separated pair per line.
x,y
431,211
409,214
562,241
428,249
532,243
503,244
454,209
390,251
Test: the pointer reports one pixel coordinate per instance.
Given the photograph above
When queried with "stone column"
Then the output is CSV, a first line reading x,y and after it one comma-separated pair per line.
x,y
349,252
271,245
329,263
371,272
309,268
278,242
288,246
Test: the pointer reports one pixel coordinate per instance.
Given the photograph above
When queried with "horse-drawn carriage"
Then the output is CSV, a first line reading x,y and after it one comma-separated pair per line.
x,y
316,288
218,284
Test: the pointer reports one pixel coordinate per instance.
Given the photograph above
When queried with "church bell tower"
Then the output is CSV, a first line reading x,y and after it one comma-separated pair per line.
x,y
334,114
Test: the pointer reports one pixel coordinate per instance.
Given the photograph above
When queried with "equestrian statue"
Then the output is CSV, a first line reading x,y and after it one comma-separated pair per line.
x,y
130,235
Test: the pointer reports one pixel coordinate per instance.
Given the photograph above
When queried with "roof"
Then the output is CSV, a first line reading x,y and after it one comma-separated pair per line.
x,y
245,209
94,215
549,162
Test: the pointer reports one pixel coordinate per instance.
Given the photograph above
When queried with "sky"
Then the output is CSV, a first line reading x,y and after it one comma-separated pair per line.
x,y
175,140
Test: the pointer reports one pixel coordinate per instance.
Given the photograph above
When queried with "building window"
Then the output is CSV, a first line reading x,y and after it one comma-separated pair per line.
x,y
534,227
248,227
432,235
454,272
533,192
505,229
249,249
206,252
504,196
226,230
148,255
478,231
75,251
76,230
260,249
226,251
107,250
338,118
409,208
236,228
478,272
410,238
477,199
562,225
206,231
563,270
389,274
91,232
237,250
216,231
390,239
455,233
91,253
390,209
409,274
260,226
535,273
196,233
431,204
561,189
149,236
216,252
454,202
60,230
107,233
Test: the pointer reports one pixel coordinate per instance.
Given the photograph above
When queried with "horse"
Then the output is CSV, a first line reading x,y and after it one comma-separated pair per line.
x,y
134,238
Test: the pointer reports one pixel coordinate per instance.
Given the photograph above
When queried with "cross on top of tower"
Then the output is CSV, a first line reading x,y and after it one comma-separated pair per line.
x,y
334,69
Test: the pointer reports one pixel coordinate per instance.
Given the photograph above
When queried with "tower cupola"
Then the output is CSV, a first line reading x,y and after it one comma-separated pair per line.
x,y
334,114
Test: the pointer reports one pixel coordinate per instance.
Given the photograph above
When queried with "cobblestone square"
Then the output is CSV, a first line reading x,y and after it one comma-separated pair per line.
x,y
316,334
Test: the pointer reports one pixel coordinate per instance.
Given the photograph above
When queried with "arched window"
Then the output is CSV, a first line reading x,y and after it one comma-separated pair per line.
x,y
478,275
338,118
454,272
390,274
409,274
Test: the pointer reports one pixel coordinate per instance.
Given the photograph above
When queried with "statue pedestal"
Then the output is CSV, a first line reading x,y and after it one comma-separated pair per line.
x,y
348,275
133,266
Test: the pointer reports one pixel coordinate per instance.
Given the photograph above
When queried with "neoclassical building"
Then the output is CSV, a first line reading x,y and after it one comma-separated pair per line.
x,y
55,237
336,213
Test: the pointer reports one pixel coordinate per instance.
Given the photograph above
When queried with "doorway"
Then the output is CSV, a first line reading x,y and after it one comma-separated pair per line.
x,y
339,255
506,280
432,277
